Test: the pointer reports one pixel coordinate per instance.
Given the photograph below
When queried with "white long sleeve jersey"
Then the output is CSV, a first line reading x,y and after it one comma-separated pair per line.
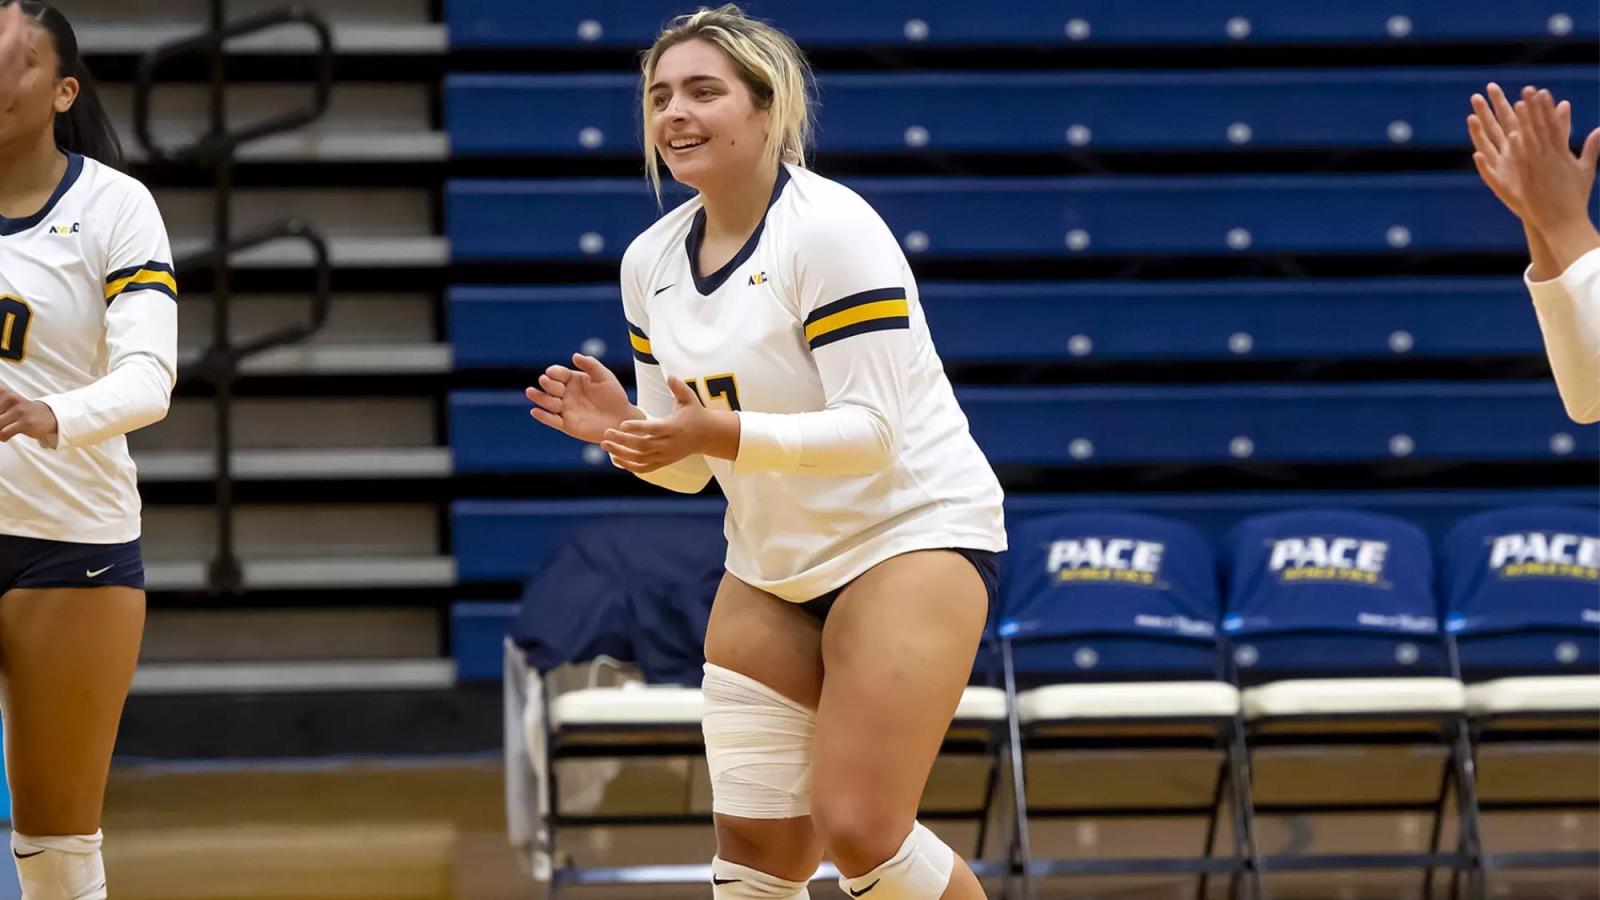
x,y
88,324
1568,307
852,448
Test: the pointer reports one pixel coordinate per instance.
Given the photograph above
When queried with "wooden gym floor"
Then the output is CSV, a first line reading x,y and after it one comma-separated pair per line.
x,y
434,830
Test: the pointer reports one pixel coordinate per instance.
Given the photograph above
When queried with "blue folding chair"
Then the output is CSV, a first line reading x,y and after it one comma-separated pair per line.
x,y
1522,595
634,592
1335,640
1108,639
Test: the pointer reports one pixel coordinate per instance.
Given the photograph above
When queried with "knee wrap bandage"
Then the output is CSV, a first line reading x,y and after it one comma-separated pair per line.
x,y
919,870
758,748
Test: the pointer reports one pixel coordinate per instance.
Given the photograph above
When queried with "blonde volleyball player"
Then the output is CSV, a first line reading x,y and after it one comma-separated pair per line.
x,y
88,334
780,347
1523,156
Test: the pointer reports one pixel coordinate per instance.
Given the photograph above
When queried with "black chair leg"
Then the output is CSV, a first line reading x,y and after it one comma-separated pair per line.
x,y
1242,798
1446,776
1471,842
991,787
1020,843
1211,824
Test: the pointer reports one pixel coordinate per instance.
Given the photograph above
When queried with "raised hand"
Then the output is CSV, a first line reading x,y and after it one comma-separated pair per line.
x,y
1492,120
645,445
583,401
1552,184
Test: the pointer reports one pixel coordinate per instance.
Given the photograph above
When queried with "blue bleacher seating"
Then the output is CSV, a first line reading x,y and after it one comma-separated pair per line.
x,y
1522,591
490,431
1331,593
634,24
1109,596
575,219
505,540
908,112
977,322
478,629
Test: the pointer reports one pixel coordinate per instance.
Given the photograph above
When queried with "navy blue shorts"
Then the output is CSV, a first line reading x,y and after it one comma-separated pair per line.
x,y
986,562
35,563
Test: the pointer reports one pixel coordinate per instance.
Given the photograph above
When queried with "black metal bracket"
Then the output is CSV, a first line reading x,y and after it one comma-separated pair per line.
x,y
218,150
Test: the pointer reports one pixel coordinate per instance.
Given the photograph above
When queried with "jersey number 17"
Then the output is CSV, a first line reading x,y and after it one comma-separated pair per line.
x,y
717,387
14,320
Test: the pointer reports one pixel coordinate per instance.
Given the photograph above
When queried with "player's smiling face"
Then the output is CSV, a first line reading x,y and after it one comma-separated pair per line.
x,y
41,94
703,119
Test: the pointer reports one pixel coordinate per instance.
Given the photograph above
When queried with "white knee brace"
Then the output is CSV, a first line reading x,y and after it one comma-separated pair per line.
x,y
758,748
919,870
731,881
59,867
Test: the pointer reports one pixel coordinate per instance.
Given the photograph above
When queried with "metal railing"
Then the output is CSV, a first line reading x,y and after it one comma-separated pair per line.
x,y
218,150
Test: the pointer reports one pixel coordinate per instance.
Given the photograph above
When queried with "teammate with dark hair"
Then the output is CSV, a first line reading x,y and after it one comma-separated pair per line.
x,y
88,349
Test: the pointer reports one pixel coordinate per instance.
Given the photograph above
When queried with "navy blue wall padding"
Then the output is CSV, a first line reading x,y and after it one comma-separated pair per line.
x,y
524,115
1328,571
1516,569
897,23
635,590
1005,322
595,219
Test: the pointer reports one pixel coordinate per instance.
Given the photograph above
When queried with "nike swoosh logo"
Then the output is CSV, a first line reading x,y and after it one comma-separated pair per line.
x,y
714,879
98,573
667,288
865,889
26,855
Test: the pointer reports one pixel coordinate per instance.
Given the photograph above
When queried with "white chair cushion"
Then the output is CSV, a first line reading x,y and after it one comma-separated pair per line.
x,y
1347,696
1134,700
981,704
632,704
1545,693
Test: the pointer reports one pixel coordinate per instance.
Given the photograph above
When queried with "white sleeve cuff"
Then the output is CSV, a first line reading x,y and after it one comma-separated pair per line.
x,y
1566,285
67,413
769,442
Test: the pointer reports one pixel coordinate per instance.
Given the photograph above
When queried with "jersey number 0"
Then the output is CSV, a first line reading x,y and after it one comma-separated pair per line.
x,y
14,320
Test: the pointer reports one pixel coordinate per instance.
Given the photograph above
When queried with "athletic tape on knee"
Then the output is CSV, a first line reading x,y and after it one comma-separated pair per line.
x,y
919,870
731,881
60,867
758,748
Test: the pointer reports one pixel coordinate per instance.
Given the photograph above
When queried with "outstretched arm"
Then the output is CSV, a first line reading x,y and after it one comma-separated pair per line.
x,y
1554,187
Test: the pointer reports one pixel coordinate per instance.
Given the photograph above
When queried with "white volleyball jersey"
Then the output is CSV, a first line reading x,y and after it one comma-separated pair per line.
x,y
88,324
852,447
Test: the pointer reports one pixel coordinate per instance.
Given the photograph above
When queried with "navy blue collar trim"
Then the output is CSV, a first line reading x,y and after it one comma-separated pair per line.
x,y
17,226
697,233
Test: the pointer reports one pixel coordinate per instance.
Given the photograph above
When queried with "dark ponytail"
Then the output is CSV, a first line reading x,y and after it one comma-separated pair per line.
x,y
85,128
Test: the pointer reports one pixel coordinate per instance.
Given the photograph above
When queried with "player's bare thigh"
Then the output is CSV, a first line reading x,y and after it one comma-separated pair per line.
x,y
771,640
778,644
899,647
67,658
